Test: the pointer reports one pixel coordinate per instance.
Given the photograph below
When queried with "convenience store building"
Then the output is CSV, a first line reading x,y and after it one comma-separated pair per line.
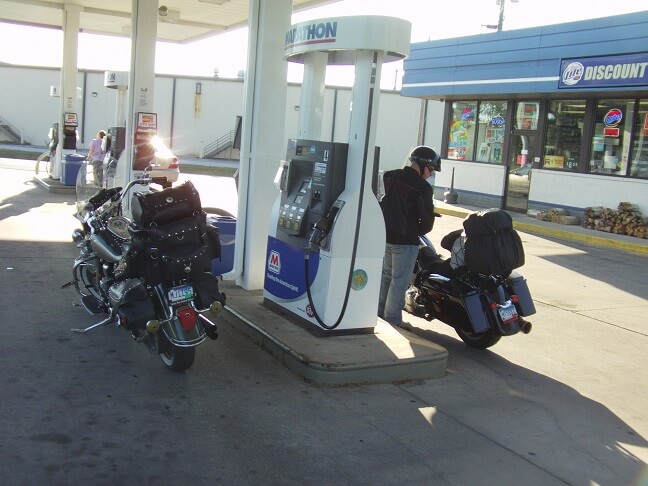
x,y
538,118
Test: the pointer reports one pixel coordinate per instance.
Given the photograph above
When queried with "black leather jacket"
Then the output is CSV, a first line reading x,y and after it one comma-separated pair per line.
x,y
407,206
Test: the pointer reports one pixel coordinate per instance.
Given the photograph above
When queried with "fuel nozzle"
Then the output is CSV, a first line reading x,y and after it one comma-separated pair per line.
x,y
323,226
320,231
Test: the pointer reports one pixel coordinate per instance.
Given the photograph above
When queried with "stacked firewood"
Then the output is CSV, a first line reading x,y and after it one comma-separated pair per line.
x,y
625,220
558,215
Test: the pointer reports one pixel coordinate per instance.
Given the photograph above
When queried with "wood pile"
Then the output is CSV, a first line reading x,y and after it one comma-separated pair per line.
x,y
557,215
625,220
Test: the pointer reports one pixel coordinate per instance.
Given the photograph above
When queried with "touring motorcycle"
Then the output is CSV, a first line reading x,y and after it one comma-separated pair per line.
x,y
149,274
480,295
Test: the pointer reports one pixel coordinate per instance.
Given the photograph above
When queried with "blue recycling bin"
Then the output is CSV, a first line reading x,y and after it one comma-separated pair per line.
x,y
227,234
70,166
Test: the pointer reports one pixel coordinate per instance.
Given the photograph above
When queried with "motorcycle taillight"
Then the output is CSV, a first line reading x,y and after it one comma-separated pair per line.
x,y
187,318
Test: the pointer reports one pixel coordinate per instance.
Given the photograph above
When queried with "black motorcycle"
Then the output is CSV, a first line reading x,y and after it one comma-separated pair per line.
x,y
150,274
483,299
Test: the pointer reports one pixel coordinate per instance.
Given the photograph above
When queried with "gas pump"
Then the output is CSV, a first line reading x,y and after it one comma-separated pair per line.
x,y
114,144
310,183
53,137
326,238
70,124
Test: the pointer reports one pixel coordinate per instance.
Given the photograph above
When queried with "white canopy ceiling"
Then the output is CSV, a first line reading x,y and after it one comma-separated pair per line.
x,y
182,21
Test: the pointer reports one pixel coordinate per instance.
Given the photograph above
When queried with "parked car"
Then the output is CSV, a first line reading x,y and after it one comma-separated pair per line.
x,y
165,167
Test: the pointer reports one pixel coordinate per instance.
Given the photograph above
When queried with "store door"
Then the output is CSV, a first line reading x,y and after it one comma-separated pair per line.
x,y
522,151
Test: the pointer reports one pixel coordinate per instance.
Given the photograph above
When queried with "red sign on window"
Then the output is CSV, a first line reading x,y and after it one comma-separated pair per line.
x,y
611,132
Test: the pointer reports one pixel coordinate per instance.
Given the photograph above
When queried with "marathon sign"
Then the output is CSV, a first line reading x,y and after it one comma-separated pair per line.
x,y
318,33
604,72
343,37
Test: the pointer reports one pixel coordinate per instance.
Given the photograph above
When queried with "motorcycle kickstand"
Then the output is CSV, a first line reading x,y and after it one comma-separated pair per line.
x,y
107,320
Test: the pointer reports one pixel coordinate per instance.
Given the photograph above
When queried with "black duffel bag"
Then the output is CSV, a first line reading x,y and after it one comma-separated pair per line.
x,y
166,206
492,246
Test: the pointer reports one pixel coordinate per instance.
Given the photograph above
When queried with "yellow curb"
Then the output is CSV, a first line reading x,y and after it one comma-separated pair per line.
x,y
584,238
558,233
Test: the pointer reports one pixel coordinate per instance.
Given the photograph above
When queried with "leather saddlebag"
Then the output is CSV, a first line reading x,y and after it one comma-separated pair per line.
x,y
131,301
170,252
207,291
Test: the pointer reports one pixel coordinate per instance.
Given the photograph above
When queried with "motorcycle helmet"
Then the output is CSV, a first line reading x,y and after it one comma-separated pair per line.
x,y
424,156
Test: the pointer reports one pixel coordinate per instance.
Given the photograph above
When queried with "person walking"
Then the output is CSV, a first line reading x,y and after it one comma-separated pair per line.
x,y
408,210
96,156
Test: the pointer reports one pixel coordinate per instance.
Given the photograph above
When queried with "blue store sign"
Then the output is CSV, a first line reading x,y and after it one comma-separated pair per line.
x,y
604,72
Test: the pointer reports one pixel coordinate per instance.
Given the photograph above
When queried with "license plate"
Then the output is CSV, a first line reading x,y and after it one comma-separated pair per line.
x,y
507,312
182,293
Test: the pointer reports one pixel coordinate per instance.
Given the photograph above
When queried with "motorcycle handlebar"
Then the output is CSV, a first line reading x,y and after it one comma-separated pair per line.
x,y
115,194
102,196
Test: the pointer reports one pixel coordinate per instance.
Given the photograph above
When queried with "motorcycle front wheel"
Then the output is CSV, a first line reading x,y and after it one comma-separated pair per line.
x,y
88,278
176,358
479,340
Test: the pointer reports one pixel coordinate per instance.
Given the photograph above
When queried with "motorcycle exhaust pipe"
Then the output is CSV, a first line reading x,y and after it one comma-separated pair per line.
x,y
209,327
526,327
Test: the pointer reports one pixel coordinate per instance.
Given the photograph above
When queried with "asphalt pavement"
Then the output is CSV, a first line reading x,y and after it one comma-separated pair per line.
x,y
565,404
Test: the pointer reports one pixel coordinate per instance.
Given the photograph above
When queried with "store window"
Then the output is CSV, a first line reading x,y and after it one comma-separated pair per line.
x,y
461,136
565,120
611,140
491,128
526,115
639,161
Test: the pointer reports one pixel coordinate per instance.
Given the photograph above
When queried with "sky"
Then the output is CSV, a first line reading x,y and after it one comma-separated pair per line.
x,y
431,19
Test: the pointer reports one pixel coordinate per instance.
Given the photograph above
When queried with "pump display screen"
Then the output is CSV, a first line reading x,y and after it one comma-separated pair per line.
x,y
304,150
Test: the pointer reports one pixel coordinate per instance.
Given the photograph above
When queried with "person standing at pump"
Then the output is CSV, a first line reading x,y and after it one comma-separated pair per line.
x,y
408,210
96,156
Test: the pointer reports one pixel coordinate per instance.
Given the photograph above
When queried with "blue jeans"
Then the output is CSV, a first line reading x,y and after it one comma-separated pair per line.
x,y
398,266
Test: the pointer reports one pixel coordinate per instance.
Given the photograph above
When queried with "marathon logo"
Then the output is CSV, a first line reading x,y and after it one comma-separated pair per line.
x,y
322,32
274,262
624,70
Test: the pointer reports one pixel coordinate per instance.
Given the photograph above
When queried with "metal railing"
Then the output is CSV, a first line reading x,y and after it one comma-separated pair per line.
x,y
219,144
15,132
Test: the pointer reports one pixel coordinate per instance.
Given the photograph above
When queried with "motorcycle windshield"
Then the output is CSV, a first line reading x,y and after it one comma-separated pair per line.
x,y
87,186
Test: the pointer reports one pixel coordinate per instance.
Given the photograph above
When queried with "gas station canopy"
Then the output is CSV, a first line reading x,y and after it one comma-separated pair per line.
x,y
180,21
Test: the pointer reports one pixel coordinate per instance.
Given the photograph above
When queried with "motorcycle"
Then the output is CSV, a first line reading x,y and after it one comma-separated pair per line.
x,y
484,299
149,274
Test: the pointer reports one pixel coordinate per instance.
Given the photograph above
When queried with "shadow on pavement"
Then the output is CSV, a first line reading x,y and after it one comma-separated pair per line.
x,y
542,420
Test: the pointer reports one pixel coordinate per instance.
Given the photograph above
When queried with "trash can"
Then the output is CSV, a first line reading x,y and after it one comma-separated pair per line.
x,y
70,166
227,233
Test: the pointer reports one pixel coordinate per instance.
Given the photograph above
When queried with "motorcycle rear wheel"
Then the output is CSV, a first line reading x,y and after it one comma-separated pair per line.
x,y
479,340
176,358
